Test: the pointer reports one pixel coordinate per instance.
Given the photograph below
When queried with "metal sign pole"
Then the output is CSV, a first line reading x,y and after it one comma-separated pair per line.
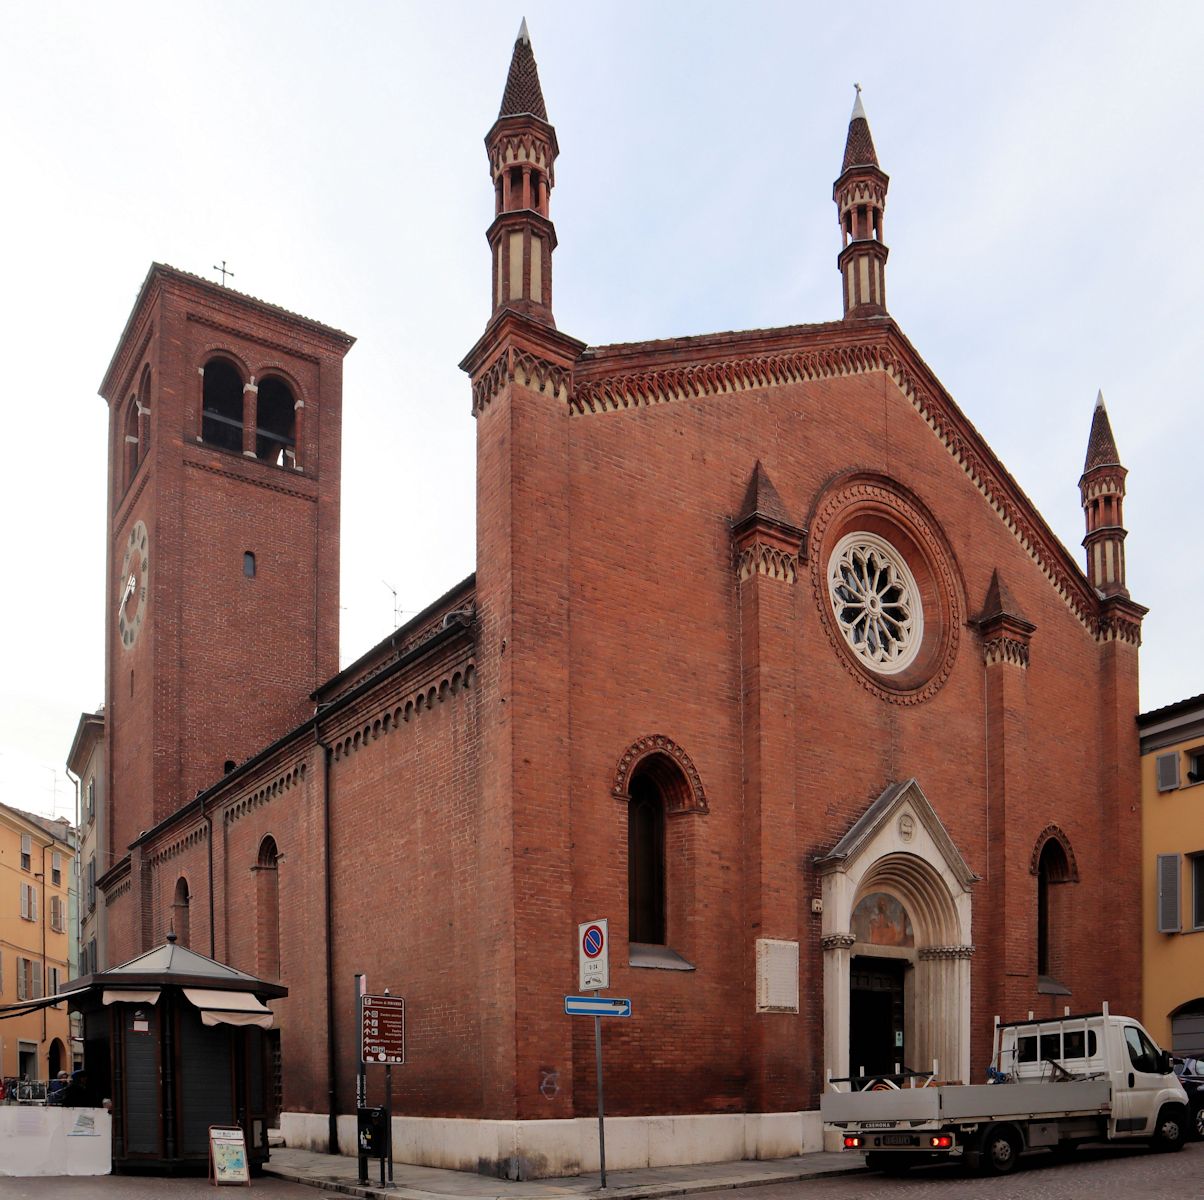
x,y
389,1114
601,1105
389,1119
361,1071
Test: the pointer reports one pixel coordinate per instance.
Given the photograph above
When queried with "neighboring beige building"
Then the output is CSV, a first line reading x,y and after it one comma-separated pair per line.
x,y
85,762
36,863
1172,789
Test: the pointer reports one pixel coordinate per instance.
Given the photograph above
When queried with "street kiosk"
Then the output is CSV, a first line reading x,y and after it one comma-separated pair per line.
x,y
176,1041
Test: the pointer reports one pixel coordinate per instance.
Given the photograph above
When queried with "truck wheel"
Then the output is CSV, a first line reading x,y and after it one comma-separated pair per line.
x,y
1000,1150
1171,1131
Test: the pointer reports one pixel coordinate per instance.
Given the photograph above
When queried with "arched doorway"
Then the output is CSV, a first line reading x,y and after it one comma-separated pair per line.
x,y
896,921
881,979
56,1058
1187,1029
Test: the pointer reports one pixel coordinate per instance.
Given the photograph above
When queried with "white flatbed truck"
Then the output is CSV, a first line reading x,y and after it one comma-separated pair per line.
x,y
1055,1083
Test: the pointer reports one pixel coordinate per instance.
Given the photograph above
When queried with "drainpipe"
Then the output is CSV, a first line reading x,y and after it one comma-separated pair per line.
x,y
331,1055
208,819
42,922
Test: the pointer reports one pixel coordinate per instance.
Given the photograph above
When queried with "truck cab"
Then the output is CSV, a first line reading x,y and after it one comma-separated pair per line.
x,y
1095,1046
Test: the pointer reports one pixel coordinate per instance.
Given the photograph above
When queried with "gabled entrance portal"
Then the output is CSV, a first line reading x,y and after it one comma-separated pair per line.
x,y
896,942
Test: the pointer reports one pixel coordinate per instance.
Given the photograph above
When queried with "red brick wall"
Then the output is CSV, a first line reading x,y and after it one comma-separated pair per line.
x,y
471,833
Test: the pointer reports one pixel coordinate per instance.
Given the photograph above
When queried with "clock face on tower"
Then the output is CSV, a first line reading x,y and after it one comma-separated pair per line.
x,y
132,585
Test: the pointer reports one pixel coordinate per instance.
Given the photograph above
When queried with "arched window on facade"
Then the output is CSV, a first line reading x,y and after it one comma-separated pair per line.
x,y
1053,870
179,912
276,423
646,860
222,405
267,888
665,803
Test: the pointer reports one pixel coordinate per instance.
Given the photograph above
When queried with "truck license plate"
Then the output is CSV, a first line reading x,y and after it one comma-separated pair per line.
x,y
897,1139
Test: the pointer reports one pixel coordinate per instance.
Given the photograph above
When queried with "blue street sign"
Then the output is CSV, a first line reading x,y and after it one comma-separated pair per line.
x,y
596,1006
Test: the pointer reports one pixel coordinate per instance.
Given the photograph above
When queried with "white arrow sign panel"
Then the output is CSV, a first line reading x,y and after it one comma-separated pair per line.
x,y
597,1006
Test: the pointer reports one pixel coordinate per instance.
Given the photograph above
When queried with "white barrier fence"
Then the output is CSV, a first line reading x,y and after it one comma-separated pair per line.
x,y
41,1140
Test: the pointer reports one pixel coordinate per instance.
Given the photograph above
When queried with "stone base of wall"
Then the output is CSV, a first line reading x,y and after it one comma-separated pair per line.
x,y
548,1149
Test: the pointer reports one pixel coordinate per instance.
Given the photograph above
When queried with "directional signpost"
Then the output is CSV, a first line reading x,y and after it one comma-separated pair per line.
x,y
382,1041
593,972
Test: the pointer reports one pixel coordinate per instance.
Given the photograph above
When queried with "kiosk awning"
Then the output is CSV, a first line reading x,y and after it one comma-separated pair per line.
x,y
230,1008
129,996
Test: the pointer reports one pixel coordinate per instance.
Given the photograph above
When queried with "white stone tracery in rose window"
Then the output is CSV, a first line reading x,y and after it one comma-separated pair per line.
x,y
876,602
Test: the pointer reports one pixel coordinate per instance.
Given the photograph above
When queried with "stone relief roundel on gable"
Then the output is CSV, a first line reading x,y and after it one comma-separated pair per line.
x,y
886,587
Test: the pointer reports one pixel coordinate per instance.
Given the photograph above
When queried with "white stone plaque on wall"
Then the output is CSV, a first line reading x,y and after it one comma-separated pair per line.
x,y
777,975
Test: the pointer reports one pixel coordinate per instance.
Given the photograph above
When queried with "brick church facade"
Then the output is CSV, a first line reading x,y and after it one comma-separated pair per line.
x,y
767,659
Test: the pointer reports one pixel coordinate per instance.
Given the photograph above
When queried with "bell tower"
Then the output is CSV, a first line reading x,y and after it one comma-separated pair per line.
x,y
222,595
860,195
1102,489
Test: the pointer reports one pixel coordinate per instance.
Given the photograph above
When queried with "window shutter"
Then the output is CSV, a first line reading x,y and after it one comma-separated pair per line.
x,y
33,903
37,980
1168,893
1168,771
25,901
22,963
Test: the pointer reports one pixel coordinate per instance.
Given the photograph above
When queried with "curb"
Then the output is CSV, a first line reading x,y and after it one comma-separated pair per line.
x,y
643,1191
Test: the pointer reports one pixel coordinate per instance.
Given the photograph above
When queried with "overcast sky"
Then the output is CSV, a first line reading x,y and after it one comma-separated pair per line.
x,y
1045,182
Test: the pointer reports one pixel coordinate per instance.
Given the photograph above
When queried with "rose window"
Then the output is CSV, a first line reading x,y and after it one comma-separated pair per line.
x,y
876,602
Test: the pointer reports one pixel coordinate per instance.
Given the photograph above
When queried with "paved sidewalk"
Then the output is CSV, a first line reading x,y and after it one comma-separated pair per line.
x,y
337,1173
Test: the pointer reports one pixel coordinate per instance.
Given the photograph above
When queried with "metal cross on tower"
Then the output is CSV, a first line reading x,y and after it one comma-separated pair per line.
x,y
224,272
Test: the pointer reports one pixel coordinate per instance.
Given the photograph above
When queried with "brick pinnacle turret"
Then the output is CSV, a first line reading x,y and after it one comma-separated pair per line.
x,y
860,195
522,153
1102,491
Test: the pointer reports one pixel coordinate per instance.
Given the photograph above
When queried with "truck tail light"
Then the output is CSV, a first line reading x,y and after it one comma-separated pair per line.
x,y
941,1142
852,1143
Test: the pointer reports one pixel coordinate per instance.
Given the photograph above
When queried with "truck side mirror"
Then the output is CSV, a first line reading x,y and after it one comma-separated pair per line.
x,y
1164,1062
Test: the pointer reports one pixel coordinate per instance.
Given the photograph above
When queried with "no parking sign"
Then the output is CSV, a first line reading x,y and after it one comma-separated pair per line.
x,y
593,956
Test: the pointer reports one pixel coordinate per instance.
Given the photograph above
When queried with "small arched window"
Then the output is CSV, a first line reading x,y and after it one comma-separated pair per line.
x,y
646,861
268,906
276,423
222,404
179,911
1053,868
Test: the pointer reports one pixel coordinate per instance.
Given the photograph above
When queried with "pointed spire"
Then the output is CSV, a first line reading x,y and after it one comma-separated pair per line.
x,y
999,601
523,93
762,500
1102,491
1101,445
859,146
